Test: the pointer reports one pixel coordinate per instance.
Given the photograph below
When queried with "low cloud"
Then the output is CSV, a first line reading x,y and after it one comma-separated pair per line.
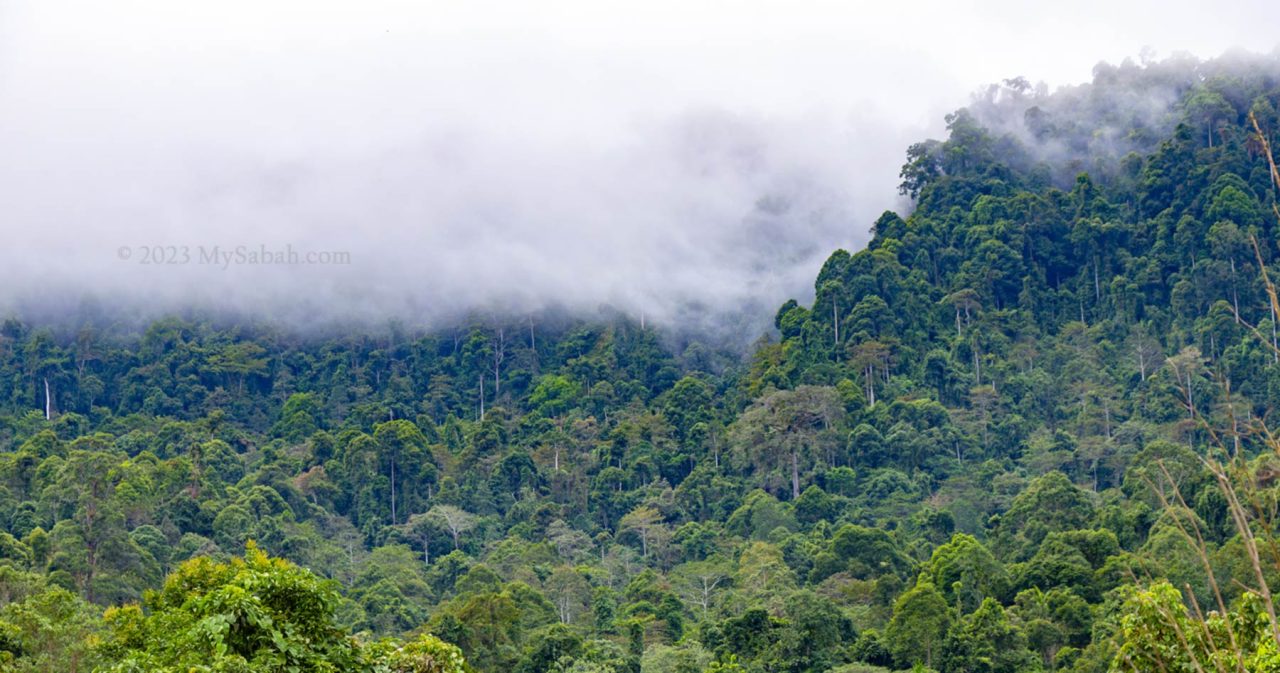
x,y
680,161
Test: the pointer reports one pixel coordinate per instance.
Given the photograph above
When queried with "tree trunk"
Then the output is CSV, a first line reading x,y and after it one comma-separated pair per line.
x,y
1191,401
1275,350
499,355
1235,292
835,325
870,375
795,476
1097,284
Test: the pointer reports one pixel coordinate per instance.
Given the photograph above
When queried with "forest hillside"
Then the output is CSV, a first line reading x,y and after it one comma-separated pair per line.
x,y
1023,430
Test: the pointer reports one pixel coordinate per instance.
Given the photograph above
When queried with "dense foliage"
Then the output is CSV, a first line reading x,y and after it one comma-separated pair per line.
x,y
961,456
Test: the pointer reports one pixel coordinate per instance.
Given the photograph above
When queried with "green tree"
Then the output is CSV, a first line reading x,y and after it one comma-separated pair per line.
x,y
52,630
987,642
1158,633
919,624
253,613
967,573
241,359
786,427
644,522
453,519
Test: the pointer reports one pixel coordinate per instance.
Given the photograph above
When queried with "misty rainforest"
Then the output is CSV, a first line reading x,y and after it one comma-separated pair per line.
x,y
1031,426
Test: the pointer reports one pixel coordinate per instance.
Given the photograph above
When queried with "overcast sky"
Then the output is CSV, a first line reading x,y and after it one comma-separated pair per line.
x,y
650,155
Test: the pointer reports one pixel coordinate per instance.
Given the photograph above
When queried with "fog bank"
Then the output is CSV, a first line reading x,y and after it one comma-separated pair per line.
x,y
694,162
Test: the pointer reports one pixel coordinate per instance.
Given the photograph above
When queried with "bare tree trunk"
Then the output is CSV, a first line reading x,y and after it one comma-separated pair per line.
x,y
835,325
48,401
1097,284
870,375
1275,349
499,354
795,475
1191,401
1235,292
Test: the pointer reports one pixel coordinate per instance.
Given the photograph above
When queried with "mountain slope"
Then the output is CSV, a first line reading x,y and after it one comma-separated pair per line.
x,y
947,460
